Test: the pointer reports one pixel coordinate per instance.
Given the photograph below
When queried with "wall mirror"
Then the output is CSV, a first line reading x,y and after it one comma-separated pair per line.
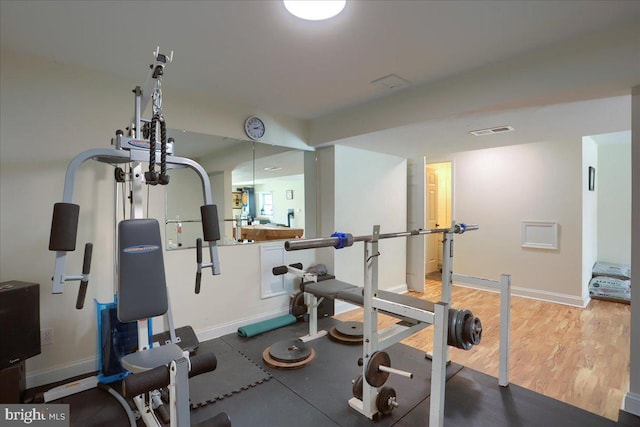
x,y
259,190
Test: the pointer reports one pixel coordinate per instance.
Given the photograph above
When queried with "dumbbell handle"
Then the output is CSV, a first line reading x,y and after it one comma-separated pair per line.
x,y
391,370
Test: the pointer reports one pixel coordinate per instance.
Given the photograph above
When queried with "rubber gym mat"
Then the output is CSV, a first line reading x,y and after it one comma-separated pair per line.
x,y
270,405
234,373
326,382
475,399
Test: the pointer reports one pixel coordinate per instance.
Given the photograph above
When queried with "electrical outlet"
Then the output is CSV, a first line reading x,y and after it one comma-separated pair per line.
x,y
46,336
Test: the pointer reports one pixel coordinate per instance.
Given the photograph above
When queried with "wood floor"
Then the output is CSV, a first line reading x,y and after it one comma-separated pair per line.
x,y
578,356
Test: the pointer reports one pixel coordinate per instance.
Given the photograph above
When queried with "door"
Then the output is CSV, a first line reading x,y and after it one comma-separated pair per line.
x,y
431,259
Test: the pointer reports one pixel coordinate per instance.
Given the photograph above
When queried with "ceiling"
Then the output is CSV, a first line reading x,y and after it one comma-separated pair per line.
x,y
254,53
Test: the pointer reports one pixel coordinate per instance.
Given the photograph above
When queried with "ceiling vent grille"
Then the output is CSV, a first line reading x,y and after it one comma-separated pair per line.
x,y
391,81
491,131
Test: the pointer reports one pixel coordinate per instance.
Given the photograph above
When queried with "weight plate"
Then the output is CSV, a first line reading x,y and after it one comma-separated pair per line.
x,y
298,307
451,331
344,339
286,365
357,387
386,400
289,351
374,376
472,330
460,343
350,329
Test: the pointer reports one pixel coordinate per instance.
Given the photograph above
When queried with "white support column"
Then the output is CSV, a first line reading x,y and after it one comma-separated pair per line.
x,y
179,392
367,406
447,273
438,365
312,303
632,398
505,328
137,210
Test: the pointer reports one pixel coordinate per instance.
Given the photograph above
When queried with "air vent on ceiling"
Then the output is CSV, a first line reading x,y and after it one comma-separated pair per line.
x,y
491,131
391,81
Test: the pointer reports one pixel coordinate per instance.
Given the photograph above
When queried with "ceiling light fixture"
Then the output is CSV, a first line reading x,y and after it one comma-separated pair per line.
x,y
314,10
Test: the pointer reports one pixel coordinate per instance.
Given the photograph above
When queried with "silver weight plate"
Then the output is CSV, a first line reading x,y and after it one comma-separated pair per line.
x,y
350,329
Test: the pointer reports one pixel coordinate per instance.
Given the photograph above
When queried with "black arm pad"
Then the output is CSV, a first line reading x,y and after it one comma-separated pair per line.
x,y
210,225
86,268
297,265
281,269
64,227
143,382
202,362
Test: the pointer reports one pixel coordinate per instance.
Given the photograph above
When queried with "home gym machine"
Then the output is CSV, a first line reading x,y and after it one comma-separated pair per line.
x,y
145,142
458,328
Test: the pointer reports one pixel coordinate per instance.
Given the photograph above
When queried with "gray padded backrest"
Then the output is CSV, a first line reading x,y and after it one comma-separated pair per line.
x,y
142,287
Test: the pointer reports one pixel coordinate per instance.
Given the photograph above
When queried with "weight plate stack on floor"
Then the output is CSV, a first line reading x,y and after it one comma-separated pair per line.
x,y
347,332
288,354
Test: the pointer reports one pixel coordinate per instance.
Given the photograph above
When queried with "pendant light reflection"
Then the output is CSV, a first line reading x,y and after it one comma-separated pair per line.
x,y
314,10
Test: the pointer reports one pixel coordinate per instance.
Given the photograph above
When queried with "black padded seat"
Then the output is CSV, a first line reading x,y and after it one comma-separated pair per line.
x,y
327,288
335,289
353,296
141,361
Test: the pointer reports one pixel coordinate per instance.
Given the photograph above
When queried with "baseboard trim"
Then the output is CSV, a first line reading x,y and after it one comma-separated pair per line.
x,y
232,327
61,372
632,403
546,296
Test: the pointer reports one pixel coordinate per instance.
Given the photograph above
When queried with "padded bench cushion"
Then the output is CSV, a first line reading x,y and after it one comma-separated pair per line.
x,y
327,288
336,289
354,295
144,360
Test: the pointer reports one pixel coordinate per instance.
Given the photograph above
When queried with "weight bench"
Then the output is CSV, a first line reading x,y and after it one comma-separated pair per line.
x,y
338,290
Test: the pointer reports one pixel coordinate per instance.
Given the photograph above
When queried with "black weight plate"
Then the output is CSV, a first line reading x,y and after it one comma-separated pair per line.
x,y
350,329
451,330
462,315
298,307
289,351
374,376
473,330
384,400
357,387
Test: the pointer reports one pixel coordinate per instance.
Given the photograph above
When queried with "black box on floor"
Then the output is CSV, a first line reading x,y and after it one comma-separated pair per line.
x,y
13,382
19,322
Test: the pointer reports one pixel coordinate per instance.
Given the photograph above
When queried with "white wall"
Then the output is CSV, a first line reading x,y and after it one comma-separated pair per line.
x,y
632,398
613,187
51,106
500,187
370,189
590,213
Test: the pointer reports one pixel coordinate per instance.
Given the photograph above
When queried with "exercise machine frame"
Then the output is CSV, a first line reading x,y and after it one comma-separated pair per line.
x,y
404,308
133,150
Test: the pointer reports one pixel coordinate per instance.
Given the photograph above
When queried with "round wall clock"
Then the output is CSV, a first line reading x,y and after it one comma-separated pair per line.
x,y
254,128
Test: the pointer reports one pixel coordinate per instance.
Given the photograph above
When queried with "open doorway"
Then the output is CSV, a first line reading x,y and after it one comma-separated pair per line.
x,y
438,210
